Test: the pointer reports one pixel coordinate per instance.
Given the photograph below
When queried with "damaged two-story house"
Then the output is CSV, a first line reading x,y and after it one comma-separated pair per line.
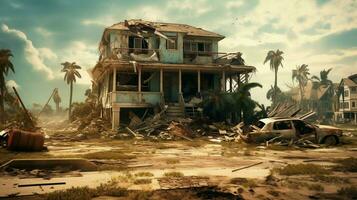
x,y
145,67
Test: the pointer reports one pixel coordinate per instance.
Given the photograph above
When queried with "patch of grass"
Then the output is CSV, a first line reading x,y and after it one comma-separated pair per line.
x,y
350,192
144,174
142,181
247,183
346,165
107,155
298,184
86,193
173,174
172,161
330,179
302,169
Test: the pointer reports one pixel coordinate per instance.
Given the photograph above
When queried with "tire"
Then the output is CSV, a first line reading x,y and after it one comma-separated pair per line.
x,y
330,140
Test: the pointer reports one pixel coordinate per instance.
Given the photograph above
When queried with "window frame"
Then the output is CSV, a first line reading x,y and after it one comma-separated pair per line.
x,y
168,42
274,125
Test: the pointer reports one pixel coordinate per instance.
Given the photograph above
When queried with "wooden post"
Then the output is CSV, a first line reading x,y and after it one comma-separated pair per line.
x,y
230,83
114,79
246,77
199,81
115,118
23,106
180,81
161,80
223,81
139,79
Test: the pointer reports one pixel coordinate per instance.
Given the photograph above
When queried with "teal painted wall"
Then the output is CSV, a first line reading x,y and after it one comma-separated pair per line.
x,y
172,55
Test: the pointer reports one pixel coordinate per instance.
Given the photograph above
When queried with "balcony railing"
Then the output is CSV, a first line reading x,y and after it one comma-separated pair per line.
x,y
153,55
133,97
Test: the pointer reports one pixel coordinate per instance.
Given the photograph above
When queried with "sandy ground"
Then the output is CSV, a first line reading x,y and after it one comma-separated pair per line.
x,y
211,163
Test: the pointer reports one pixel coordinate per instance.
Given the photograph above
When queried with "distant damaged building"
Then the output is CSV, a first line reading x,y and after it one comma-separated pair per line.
x,y
347,105
146,67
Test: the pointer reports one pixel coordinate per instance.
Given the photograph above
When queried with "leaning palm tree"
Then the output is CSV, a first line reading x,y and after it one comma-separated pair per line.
x,y
275,59
5,66
301,75
57,99
70,70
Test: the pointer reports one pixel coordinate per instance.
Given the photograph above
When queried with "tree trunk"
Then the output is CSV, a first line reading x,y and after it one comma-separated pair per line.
x,y
275,85
70,100
301,94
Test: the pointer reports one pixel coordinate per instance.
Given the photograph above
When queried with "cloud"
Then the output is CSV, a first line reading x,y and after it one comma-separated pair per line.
x,y
12,83
32,54
43,32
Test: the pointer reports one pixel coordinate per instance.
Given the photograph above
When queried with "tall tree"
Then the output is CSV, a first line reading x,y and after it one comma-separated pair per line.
x,y
57,99
301,75
323,79
275,59
70,70
5,66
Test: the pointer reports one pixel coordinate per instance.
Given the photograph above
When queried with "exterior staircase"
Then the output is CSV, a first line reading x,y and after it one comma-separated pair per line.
x,y
174,110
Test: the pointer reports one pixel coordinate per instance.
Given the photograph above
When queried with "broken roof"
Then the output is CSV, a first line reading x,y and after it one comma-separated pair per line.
x,y
351,81
169,27
312,91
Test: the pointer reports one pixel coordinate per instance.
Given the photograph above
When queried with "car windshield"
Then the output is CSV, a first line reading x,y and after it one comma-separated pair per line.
x,y
260,124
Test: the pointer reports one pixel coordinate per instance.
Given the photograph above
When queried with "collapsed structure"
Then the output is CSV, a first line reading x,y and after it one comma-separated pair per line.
x,y
149,66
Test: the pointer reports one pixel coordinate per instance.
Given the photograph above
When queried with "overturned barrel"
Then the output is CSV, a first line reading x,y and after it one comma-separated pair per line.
x,y
20,140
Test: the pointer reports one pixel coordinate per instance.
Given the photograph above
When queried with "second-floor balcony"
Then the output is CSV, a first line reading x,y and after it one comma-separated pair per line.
x,y
181,56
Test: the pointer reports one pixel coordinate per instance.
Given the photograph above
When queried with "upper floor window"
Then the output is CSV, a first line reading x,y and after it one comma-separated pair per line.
x,y
172,43
138,44
194,46
346,93
353,104
353,89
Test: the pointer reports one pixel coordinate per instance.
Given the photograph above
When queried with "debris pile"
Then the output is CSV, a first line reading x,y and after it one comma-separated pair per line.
x,y
159,127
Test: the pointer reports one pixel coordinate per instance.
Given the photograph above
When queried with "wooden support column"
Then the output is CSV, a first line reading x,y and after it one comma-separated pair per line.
x,y
223,81
139,79
161,80
115,118
246,77
180,81
199,81
114,79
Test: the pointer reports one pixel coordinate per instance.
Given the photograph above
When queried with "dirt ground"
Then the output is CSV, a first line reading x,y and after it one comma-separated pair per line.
x,y
202,169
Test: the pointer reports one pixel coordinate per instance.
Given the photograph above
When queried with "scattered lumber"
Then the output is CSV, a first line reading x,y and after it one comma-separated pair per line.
x,y
252,165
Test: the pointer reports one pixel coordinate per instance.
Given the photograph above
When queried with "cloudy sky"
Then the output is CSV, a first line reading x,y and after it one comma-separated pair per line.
x,y
42,34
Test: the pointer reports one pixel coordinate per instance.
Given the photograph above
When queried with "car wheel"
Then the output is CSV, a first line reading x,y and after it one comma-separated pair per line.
x,y
330,140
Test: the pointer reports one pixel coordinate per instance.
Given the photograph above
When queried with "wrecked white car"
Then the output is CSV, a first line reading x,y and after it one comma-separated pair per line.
x,y
269,129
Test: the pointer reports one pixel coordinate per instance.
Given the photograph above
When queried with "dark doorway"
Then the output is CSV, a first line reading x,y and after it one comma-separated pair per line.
x,y
171,87
189,85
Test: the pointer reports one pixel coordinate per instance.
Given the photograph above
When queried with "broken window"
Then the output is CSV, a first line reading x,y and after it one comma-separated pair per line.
x,y
172,43
282,125
138,44
302,128
127,81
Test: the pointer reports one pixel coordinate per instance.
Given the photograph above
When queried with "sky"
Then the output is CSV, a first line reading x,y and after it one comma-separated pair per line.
x,y
42,34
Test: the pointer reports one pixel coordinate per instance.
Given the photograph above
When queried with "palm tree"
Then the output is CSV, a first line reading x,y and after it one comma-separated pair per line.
x,y
323,79
5,66
301,75
70,70
244,105
275,59
217,104
57,99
